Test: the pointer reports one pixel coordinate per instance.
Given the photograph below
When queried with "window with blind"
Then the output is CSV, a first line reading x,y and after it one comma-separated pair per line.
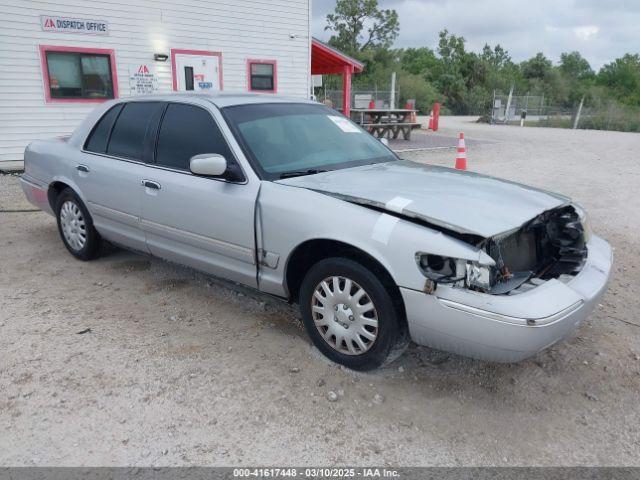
x,y
75,75
262,76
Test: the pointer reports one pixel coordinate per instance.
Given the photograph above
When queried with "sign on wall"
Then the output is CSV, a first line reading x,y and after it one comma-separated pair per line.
x,y
142,79
74,25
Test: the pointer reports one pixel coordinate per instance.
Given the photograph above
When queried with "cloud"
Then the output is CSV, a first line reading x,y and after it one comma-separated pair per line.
x,y
586,32
601,30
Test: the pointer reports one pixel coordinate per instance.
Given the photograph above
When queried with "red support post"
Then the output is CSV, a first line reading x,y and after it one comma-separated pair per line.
x,y
436,116
346,90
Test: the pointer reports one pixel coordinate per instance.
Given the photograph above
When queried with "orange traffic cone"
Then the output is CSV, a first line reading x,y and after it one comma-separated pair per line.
x,y
430,127
461,157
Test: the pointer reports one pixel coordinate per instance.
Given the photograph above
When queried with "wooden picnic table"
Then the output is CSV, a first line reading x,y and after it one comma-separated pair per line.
x,y
382,122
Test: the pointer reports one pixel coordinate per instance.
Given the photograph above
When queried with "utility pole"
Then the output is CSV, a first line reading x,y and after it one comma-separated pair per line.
x,y
506,112
392,96
493,108
577,119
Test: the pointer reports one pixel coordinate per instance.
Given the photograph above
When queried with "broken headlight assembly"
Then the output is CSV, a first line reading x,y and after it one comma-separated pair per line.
x,y
584,220
550,245
458,271
481,277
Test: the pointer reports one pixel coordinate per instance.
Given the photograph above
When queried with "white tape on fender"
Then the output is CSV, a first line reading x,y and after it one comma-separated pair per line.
x,y
397,204
383,228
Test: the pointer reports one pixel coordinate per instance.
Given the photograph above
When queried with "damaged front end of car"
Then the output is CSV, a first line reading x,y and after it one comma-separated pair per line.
x,y
551,245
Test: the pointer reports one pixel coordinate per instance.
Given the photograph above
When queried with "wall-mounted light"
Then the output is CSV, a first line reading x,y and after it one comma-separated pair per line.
x,y
160,57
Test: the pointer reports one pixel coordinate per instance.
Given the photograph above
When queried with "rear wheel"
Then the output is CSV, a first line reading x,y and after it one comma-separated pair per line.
x,y
349,314
76,226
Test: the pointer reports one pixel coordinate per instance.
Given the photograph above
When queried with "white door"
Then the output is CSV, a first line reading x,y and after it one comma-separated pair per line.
x,y
199,73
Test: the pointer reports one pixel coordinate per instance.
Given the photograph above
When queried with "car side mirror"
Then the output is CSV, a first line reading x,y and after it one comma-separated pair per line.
x,y
208,164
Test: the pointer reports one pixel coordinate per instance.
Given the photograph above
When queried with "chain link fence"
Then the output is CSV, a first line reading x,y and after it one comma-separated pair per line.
x,y
360,98
534,110
362,94
507,108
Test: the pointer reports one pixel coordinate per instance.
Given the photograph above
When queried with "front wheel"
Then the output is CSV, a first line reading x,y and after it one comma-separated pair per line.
x,y
76,226
349,314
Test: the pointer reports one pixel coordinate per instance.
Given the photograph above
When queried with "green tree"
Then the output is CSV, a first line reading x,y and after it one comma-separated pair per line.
x,y
622,77
497,57
415,87
359,25
537,67
450,47
501,72
575,79
447,76
418,61
575,65
461,76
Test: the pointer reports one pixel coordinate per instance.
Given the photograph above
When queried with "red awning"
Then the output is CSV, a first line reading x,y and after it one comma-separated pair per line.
x,y
328,60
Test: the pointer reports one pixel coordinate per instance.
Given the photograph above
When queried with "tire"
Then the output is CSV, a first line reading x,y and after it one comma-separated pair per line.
x,y
344,327
76,226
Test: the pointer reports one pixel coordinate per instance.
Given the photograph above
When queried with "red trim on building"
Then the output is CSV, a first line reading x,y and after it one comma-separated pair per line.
x,y
251,61
328,60
45,72
178,51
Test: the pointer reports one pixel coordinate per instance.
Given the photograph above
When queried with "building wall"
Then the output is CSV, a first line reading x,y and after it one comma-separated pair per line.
x,y
240,29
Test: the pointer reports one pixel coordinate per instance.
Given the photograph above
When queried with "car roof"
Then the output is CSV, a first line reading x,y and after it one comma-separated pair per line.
x,y
221,99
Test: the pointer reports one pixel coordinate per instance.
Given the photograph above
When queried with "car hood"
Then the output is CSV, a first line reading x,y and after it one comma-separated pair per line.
x,y
464,202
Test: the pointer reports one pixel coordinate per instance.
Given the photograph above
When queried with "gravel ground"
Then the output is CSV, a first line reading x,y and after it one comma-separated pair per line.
x,y
181,369
421,139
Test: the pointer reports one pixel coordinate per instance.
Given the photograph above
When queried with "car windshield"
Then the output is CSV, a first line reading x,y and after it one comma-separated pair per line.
x,y
289,139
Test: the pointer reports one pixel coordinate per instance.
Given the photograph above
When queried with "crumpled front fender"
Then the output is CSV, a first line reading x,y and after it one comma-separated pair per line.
x,y
289,216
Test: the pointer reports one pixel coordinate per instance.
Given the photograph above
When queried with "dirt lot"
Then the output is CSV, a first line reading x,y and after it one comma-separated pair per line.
x,y
180,369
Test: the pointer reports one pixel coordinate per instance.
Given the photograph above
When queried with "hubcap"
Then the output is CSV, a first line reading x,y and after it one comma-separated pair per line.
x,y
73,226
344,315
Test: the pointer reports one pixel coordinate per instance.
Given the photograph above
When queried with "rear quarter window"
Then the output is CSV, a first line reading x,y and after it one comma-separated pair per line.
x,y
99,137
128,134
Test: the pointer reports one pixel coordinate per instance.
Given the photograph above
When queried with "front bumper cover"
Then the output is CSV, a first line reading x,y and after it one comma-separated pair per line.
x,y
508,328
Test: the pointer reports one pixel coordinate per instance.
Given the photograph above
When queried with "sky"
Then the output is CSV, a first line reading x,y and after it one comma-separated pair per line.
x,y
601,30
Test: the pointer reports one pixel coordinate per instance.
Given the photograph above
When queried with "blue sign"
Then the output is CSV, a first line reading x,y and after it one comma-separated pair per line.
x,y
205,85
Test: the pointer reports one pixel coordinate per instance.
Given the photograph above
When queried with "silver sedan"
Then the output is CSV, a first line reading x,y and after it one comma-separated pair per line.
x,y
293,199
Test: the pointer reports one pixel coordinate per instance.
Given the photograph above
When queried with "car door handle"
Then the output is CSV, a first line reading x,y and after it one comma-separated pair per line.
x,y
150,184
82,168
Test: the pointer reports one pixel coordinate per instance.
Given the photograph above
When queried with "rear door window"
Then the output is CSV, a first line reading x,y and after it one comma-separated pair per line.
x,y
127,137
99,137
186,131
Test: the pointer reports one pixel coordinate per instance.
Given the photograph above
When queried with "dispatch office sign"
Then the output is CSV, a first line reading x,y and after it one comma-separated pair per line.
x,y
142,79
74,25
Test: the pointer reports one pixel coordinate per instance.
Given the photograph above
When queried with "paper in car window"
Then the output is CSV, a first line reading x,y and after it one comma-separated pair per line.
x,y
344,124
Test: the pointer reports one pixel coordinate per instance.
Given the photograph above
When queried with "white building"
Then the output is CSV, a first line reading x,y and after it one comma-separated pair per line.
x,y
58,59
